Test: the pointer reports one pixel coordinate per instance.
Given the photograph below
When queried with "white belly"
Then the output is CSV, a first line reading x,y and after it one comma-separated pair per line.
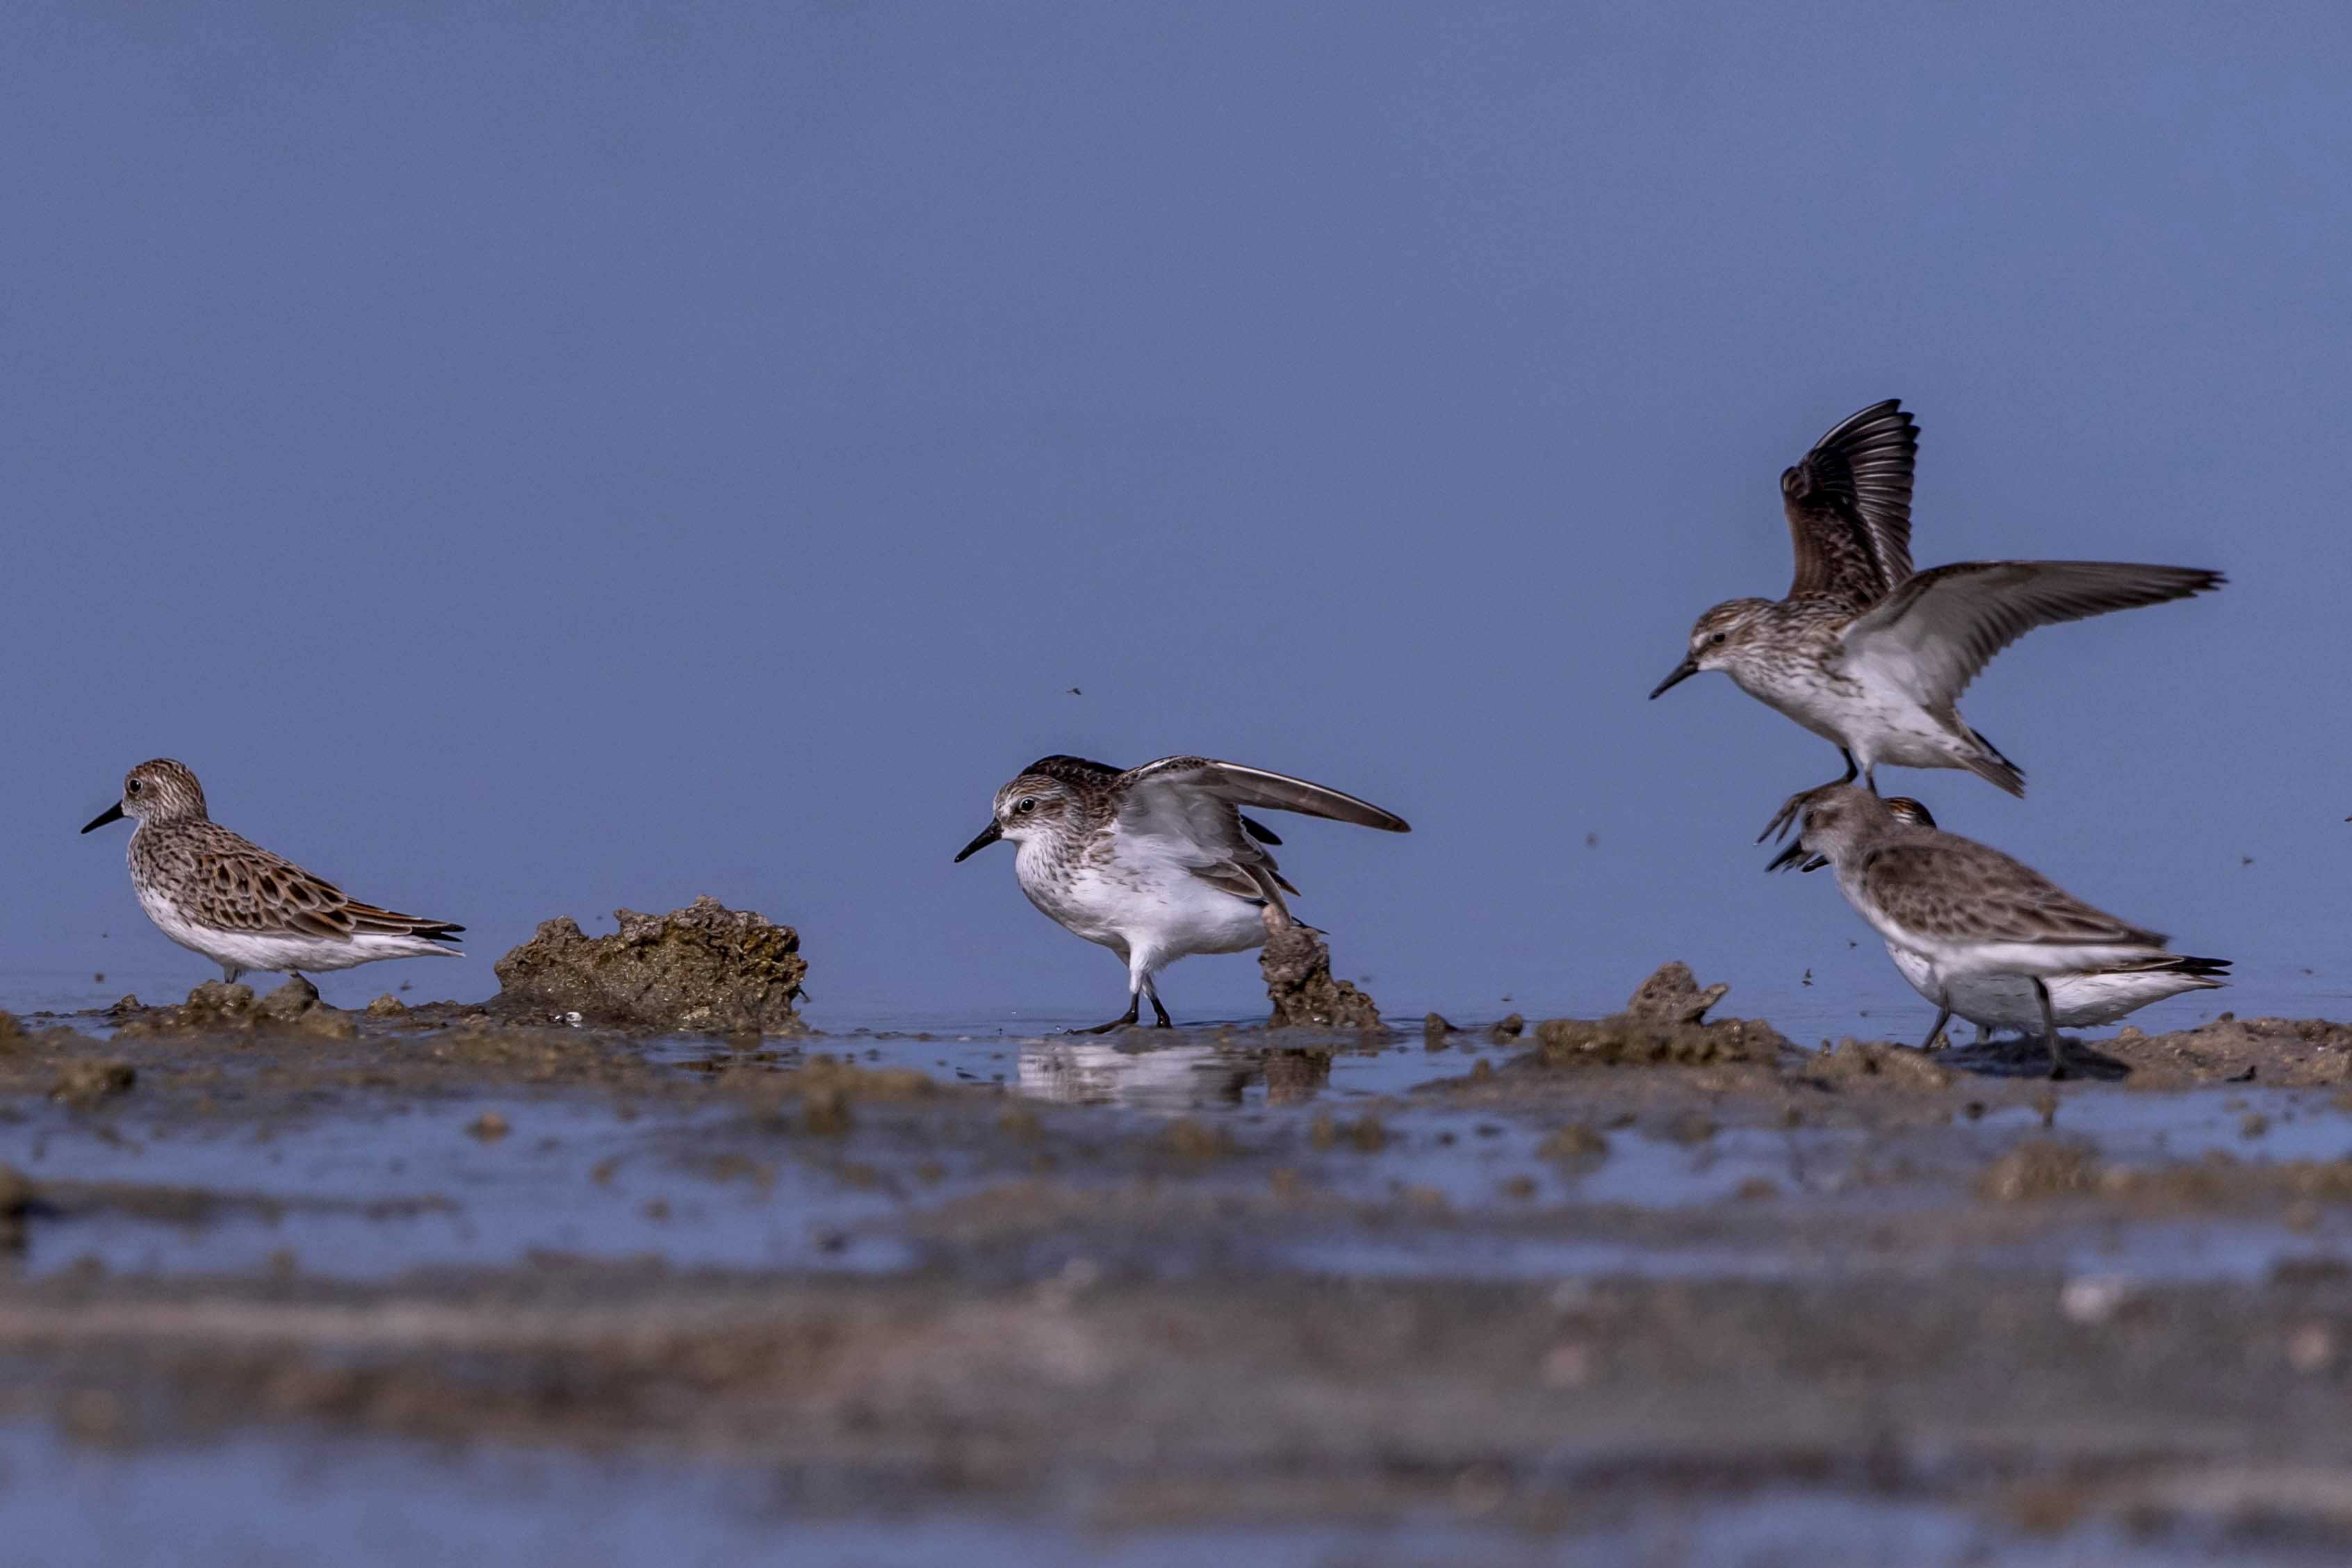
x,y
2078,1000
1149,908
253,951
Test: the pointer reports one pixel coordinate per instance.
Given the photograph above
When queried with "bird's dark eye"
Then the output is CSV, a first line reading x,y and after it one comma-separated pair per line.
x,y
1716,637
130,788
1026,803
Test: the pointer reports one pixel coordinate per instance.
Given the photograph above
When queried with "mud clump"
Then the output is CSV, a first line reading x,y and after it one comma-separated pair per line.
x,y
1672,995
828,1090
1664,1023
218,1007
1877,1061
17,1196
2045,1168
1297,964
704,968
84,1085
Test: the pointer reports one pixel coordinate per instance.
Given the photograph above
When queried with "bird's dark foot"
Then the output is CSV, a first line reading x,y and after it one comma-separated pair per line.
x,y
1852,768
1162,1013
1125,1021
2057,1071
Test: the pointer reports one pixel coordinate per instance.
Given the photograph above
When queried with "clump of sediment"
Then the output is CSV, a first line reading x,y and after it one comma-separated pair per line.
x,y
704,967
1297,964
1664,1022
218,1007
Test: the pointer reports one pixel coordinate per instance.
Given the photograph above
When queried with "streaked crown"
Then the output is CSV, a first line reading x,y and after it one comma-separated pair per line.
x,y
1908,812
1717,630
163,791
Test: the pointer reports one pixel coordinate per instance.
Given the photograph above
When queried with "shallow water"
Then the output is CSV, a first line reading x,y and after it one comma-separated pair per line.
x,y
1211,1158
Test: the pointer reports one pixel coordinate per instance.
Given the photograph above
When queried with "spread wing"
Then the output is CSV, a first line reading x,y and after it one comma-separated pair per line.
x,y
1194,804
1084,771
1939,629
1234,784
244,887
1849,506
1955,889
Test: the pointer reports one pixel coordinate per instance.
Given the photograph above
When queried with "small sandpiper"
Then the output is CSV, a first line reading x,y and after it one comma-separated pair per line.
x,y
1157,863
244,908
1869,654
2087,1000
1968,911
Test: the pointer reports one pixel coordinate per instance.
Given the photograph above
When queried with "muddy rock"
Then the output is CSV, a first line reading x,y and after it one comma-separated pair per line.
x,y
1880,1061
17,1196
1662,1025
1297,964
1672,996
2044,1168
704,968
217,1007
85,1084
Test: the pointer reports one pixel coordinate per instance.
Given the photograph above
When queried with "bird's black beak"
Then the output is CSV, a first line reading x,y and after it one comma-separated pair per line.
x,y
112,814
1793,855
1682,672
988,835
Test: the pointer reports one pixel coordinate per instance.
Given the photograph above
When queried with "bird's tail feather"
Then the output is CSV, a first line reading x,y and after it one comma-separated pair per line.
x,y
1989,764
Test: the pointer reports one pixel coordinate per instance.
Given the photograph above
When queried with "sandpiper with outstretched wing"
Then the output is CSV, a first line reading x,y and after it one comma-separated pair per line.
x,y
1869,654
1158,862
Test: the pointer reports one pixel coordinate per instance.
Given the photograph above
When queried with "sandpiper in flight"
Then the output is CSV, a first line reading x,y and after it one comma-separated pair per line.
x,y
211,891
1157,863
1970,911
2079,1001
1872,656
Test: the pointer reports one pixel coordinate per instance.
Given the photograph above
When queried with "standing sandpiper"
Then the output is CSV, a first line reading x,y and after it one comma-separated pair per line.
x,y
1872,656
2080,1001
1157,863
240,906
1970,912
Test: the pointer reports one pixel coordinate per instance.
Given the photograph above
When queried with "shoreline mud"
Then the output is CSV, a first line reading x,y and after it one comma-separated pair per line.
x,y
1564,1278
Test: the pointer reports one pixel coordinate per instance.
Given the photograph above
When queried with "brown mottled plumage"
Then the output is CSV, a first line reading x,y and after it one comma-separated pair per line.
x,y
1967,910
219,893
1869,654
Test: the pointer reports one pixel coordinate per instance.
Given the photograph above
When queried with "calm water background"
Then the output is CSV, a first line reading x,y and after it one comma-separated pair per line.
x,y
532,463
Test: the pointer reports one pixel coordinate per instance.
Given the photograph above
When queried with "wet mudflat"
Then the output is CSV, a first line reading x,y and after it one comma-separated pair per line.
x,y
1659,1288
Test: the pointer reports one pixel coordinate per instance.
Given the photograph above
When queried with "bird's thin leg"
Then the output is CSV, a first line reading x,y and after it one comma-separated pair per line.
x,y
1854,769
1870,778
2049,1029
1943,1016
229,972
1151,990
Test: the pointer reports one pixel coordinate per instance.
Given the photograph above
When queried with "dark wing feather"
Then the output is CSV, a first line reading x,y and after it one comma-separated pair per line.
x,y
367,917
249,888
1849,506
1956,889
1238,786
1945,624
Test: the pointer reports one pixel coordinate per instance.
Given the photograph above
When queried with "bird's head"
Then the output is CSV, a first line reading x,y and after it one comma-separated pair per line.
x,y
1718,640
158,791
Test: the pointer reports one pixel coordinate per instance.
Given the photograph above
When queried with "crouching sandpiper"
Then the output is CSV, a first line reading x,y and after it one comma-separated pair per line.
x,y
1157,863
1969,912
243,908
